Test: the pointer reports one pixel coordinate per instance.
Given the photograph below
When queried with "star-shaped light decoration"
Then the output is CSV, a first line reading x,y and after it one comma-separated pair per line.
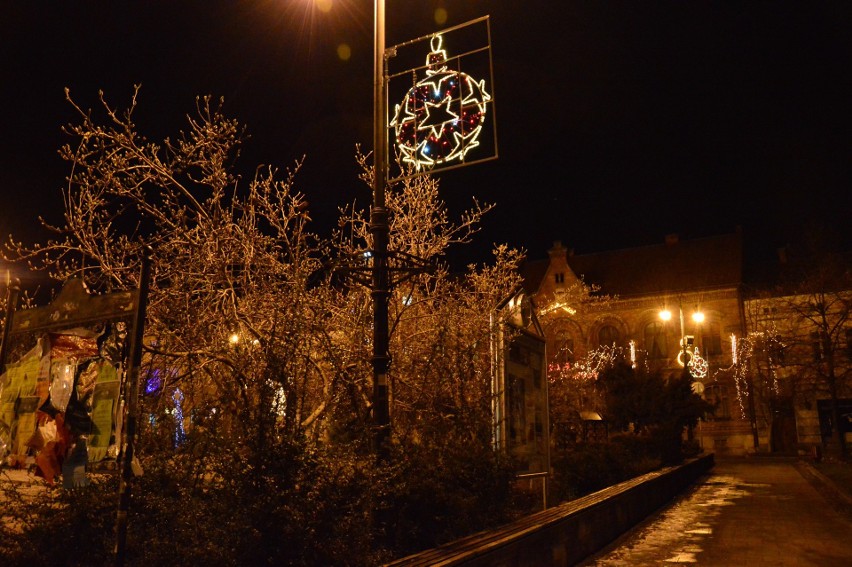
x,y
441,116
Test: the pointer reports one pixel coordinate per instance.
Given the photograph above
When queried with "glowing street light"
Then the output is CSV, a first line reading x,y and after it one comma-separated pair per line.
x,y
697,317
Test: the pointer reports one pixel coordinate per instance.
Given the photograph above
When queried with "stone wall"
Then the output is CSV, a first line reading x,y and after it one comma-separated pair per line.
x,y
568,533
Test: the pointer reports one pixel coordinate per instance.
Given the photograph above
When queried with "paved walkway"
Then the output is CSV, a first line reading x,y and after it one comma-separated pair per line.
x,y
747,512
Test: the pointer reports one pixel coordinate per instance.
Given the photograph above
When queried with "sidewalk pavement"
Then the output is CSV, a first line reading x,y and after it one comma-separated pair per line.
x,y
747,512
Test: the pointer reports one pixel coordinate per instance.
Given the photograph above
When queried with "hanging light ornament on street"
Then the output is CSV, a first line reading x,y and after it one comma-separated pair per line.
x,y
441,116
697,366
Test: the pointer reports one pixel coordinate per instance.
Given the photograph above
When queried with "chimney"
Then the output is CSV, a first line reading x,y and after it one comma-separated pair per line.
x,y
558,251
671,239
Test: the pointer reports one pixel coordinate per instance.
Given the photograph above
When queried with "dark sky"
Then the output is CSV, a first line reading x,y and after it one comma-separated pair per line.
x,y
618,122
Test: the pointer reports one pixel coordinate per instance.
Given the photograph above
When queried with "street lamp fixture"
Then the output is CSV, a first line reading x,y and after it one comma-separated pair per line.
x,y
697,317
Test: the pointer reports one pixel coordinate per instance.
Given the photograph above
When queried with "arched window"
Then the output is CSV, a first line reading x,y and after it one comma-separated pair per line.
x,y
561,350
655,340
608,335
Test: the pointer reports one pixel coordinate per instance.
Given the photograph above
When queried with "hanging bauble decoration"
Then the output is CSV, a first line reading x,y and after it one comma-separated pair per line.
x,y
441,116
697,366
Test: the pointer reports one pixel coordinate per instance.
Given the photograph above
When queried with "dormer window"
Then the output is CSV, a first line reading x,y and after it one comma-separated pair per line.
x,y
560,277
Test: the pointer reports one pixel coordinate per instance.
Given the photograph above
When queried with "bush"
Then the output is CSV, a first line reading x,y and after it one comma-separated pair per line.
x,y
587,468
439,493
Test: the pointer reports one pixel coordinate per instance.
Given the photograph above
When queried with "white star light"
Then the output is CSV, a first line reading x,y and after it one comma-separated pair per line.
x,y
437,125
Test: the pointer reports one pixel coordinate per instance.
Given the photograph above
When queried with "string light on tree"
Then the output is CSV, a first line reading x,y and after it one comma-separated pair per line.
x,y
180,432
441,116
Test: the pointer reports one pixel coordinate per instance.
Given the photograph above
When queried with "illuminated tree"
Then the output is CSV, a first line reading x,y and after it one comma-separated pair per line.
x,y
268,350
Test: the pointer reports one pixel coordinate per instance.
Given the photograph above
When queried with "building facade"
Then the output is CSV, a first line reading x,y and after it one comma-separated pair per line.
x,y
653,293
798,352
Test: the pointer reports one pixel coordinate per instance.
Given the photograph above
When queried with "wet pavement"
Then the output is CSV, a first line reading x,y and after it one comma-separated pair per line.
x,y
746,512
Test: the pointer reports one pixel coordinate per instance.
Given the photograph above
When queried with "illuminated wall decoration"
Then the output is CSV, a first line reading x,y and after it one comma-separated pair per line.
x,y
440,118
733,348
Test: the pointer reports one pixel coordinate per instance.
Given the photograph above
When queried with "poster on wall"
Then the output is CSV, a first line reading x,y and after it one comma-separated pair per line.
x,y
58,408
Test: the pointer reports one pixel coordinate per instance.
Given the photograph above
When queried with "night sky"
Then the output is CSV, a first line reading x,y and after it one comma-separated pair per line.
x,y
618,122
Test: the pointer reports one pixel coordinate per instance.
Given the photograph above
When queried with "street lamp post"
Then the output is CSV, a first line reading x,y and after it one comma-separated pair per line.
x,y
380,231
697,317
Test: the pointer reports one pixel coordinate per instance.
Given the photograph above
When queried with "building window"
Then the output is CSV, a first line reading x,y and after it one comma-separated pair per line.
x,y
711,338
655,340
816,346
849,343
560,277
608,336
717,395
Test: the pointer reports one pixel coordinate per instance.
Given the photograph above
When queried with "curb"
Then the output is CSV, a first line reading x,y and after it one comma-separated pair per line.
x,y
837,497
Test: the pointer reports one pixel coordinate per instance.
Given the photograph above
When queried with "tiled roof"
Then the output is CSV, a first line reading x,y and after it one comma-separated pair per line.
x,y
704,263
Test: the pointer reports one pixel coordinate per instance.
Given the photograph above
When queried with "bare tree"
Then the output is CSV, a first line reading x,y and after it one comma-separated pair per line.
x,y
439,321
798,345
231,262
270,352
819,304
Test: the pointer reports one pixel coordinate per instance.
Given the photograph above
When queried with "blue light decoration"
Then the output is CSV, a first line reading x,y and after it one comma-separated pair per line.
x,y
441,116
154,381
180,433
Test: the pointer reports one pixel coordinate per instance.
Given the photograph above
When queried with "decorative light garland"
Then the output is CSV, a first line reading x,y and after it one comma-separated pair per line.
x,y
180,432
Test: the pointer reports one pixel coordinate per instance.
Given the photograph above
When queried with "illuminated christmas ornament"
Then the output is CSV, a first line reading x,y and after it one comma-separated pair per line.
x,y
441,116
697,366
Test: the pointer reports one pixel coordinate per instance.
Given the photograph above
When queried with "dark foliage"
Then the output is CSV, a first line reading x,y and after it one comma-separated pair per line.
x,y
440,492
590,467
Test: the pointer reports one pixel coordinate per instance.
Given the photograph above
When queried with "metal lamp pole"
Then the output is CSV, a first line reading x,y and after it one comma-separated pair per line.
x,y
683,340
665,315
380,231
